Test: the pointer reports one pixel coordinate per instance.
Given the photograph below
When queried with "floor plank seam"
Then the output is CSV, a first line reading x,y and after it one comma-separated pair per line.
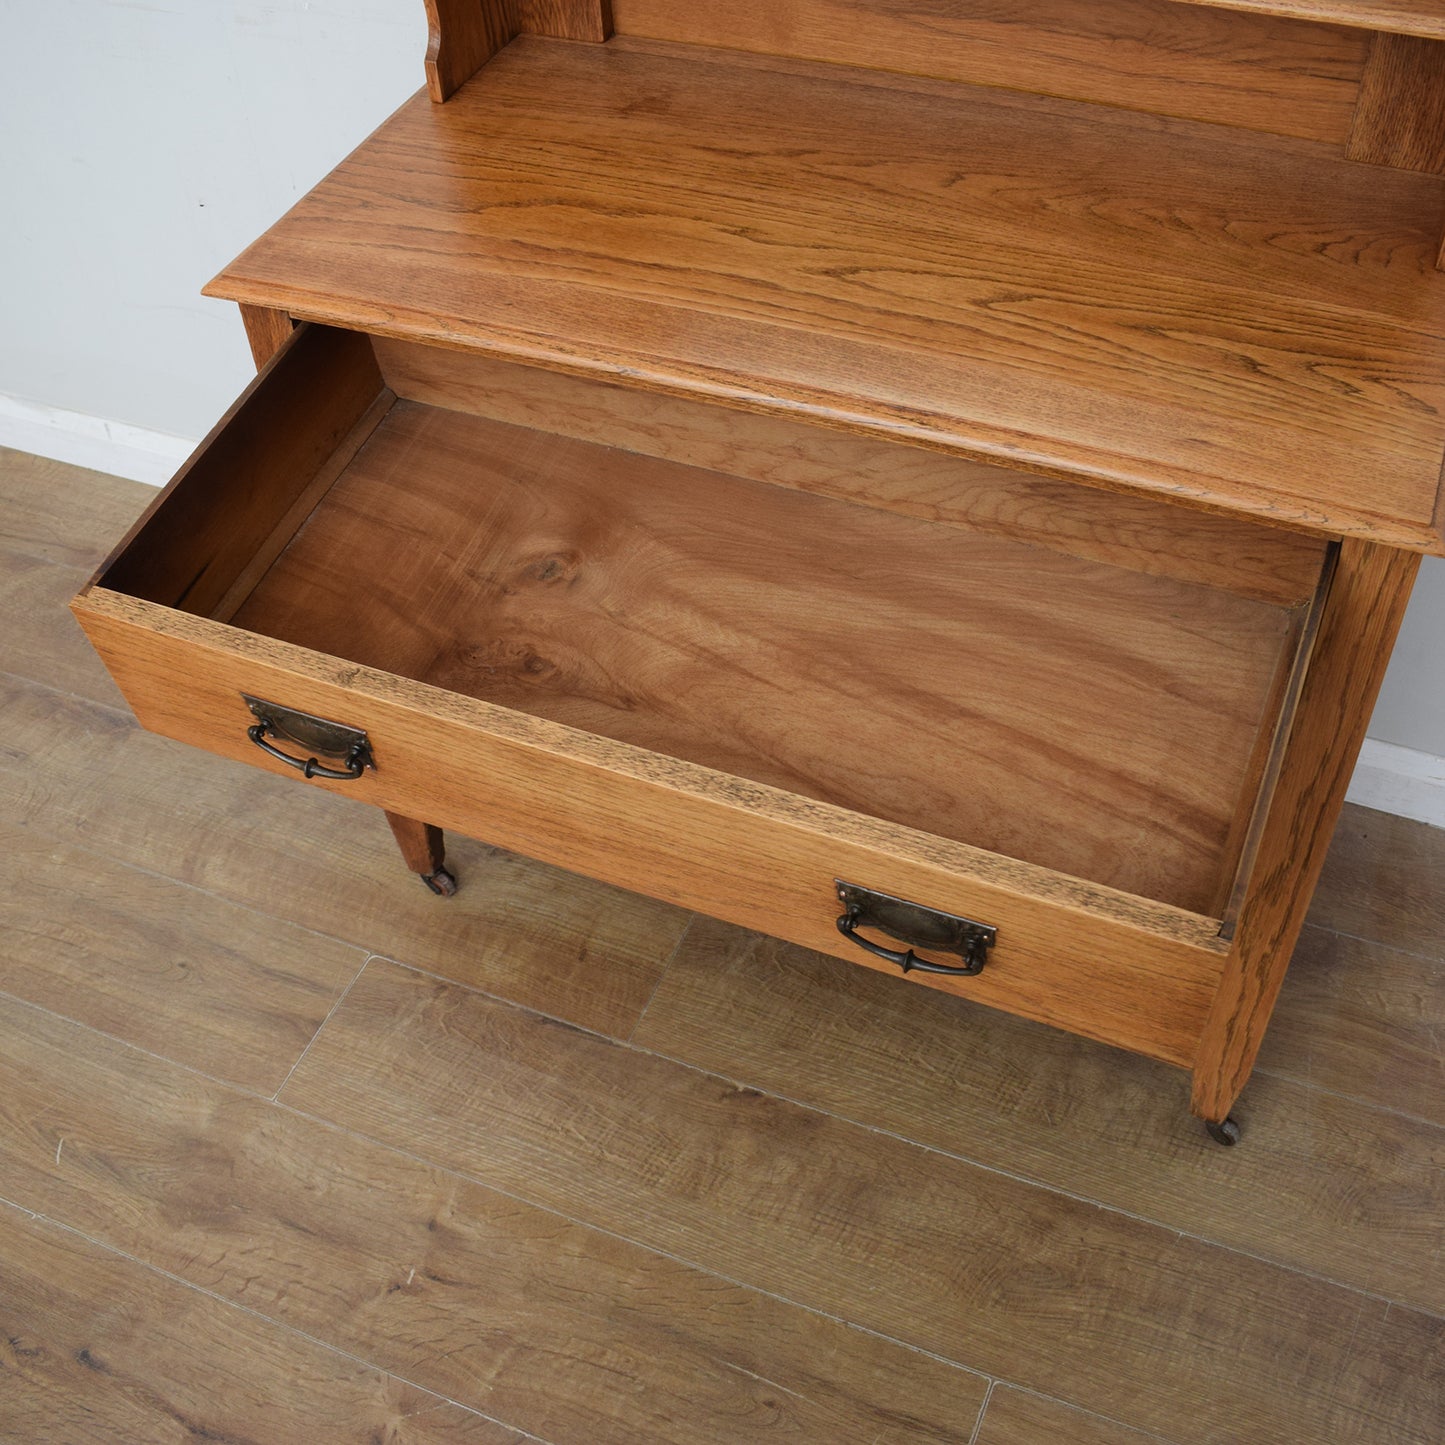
x,y
531,1010
254,1313
125,1043
1265,1071
982,1413
336,1004
666,967
1435,958
1043,1185
605,1232
1084,1410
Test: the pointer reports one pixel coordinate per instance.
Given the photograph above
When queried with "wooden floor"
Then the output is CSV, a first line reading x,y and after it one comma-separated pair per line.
x,y
291,1150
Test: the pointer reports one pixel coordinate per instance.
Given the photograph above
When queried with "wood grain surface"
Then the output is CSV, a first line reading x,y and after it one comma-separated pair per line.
x,y
1141,304
1407,17
310,1229
462,36
1362,616
1194,546
764,1191
233,992
264,455
569,1333
1155,55
1400,119
1108,964
1360,1018
267,331
973,690
86,775
1016,1418
1354,1189
566,19
1382,882
99,1348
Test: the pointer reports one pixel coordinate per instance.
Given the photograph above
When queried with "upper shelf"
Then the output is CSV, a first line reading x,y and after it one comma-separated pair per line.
x,y
1407,17
1232,319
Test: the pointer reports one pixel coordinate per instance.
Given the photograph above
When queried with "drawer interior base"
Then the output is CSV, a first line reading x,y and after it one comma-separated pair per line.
x,y
1085,717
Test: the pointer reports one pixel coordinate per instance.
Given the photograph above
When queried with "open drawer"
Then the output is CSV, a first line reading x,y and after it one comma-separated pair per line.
x,y
729,661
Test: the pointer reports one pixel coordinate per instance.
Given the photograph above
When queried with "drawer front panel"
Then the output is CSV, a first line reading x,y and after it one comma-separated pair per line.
x,y
1128,972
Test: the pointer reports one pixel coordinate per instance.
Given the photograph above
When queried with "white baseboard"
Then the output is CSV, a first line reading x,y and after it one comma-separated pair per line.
x,y
1401,781
91,441
1390,778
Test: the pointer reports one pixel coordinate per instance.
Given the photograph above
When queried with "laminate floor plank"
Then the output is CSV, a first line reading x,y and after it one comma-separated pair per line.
x,y
224,989
1364,1020
62,513
98,1348
570,1334
1327,1184
1016,1418
41,640
85,774
1125,1318
1384,880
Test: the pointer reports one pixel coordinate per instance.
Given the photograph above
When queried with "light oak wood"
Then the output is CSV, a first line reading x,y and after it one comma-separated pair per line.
x,y
1223,551
567,19
462,36
1016,1418
1104,963
1407,17
763,1190
734,625
570,947
1074,1116
423,847
1171,310
99,1348
1202,64
221,988
566,1332
1400,119
267,331
1370,589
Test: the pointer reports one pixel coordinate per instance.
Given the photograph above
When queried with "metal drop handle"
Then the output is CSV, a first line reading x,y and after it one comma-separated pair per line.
x,y
356,762
913,923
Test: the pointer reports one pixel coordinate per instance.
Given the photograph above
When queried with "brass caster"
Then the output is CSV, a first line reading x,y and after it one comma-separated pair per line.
x,y
442,883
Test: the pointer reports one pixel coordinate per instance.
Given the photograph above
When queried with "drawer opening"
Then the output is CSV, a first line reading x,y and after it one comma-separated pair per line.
x,y
1105,721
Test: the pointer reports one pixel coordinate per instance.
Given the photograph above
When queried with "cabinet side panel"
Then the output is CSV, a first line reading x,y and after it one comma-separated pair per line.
x,y
463,36
1259,72
1362,615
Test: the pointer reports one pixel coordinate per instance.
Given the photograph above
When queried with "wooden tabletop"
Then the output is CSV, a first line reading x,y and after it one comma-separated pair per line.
x,y
1233,319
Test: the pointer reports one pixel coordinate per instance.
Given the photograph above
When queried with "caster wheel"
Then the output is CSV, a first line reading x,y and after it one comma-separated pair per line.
x,y
1226,1133
442,883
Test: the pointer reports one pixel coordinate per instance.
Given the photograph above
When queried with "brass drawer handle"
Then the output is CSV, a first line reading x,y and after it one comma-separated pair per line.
x,y
336,739
913,923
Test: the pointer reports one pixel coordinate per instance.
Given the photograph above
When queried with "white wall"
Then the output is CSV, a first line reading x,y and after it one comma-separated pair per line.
x,y
143,143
